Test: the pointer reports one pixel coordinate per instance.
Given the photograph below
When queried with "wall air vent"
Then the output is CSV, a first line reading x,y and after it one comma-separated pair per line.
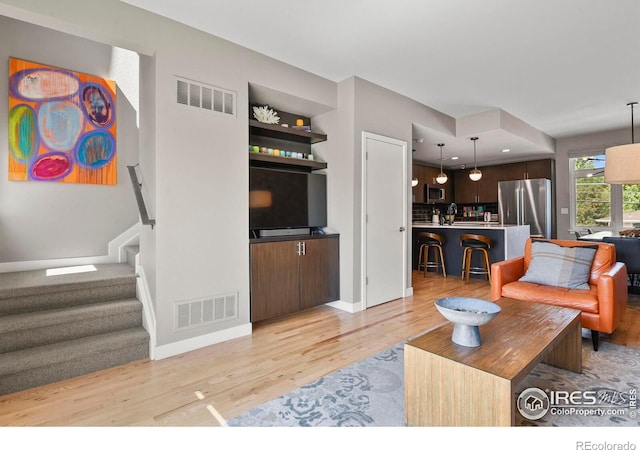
x,y
203,96
205,311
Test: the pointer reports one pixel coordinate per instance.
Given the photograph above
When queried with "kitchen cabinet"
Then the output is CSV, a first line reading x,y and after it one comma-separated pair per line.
x,y
418,191
466,191
486,190
427,175
543,168
293,273
483,191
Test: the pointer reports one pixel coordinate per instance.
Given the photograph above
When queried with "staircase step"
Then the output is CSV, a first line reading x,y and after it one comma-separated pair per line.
x,y
21,331
132,251
22,292
37,366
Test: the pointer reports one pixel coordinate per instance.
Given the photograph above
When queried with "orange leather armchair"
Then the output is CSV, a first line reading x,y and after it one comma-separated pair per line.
x,y
602,306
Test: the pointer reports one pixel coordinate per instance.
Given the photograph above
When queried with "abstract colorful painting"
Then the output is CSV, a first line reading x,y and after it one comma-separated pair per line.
x,y
62,125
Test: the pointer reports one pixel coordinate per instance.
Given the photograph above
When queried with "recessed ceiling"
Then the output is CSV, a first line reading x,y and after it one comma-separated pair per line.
x,y
564,67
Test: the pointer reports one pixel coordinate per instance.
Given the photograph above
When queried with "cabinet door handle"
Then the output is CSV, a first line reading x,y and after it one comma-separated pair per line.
x,y
304,248
298,249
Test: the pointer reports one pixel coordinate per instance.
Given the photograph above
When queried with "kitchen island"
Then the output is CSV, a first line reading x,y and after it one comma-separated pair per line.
x,y
508,242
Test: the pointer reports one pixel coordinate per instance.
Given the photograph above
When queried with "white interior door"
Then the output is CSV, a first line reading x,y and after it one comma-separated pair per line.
x,y
384,218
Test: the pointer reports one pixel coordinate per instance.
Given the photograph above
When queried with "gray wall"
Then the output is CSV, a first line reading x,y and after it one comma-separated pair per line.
x,y
39,220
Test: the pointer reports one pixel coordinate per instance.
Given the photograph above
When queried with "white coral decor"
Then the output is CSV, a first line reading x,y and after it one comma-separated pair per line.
x,y
265,115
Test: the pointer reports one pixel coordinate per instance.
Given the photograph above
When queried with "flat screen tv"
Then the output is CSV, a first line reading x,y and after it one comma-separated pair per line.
x,y
280,199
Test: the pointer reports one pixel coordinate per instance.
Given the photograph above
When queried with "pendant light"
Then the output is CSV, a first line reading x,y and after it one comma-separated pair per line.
x,y
622,162
475,174
442,177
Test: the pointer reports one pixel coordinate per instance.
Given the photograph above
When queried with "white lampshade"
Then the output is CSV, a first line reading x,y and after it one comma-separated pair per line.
x,y
475,175
622,164
414,182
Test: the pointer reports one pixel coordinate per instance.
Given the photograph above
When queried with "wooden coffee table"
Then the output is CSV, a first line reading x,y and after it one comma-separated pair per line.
x,y
447,384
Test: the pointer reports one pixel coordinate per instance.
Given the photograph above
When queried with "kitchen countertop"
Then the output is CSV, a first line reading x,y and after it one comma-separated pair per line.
x,y
469,225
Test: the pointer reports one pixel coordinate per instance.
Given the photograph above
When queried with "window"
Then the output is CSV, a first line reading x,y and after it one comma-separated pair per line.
x,y
596,204
631,205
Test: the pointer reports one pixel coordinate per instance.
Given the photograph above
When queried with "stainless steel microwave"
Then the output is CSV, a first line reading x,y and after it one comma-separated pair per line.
x,y
433,193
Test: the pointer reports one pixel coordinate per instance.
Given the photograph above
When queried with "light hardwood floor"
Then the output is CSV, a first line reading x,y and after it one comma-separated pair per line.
x,y
200,388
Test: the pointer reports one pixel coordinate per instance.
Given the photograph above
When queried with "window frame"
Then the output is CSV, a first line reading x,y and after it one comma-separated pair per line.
x,y
615,199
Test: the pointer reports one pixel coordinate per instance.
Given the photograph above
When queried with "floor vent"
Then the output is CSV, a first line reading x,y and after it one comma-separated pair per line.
x,y
205,311
209,98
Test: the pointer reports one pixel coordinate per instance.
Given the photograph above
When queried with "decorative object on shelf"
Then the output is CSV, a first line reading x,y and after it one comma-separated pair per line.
x,y
442,177
265,114
467,314
475,174
622,162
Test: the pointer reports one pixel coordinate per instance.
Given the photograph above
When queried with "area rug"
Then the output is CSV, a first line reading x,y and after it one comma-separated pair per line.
x,y
370,393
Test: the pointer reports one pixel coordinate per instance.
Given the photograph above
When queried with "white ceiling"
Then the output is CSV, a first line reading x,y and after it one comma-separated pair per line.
x,y
565,67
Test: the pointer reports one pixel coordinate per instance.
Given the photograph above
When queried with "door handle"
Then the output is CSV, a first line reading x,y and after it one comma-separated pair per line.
x,y
401,229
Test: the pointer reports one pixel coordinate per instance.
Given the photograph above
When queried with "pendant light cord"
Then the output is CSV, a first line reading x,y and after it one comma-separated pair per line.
x,y
632,136
475,164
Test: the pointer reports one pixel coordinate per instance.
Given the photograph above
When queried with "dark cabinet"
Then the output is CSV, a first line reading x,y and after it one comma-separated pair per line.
x,y
427,175
275,284
542,168
486,190
466,191
288,275
418,190
319,274
488,185
483,191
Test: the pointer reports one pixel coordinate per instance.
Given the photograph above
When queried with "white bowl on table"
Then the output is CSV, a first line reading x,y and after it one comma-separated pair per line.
x,y
467,314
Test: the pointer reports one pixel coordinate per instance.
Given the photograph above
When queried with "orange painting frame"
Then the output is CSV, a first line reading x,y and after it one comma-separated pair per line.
x,y
62,125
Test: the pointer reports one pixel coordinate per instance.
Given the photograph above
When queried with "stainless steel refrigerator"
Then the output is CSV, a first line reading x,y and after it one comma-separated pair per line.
x,y
526,202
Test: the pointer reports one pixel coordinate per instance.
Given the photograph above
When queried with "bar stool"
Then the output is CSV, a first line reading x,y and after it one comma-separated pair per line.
x,y
469,244
427,241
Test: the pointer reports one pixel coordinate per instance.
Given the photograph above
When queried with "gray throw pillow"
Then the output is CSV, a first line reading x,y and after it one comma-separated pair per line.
x,y
554,265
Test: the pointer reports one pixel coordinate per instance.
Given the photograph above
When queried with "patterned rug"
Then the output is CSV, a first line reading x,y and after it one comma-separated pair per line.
x,y
371,393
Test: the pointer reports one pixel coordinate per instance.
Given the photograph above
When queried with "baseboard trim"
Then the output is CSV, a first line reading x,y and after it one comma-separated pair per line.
x,y
195,343
345,306
409,292
148,312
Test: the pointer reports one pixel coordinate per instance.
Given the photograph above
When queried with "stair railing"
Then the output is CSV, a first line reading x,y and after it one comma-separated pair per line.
x,y
137,190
